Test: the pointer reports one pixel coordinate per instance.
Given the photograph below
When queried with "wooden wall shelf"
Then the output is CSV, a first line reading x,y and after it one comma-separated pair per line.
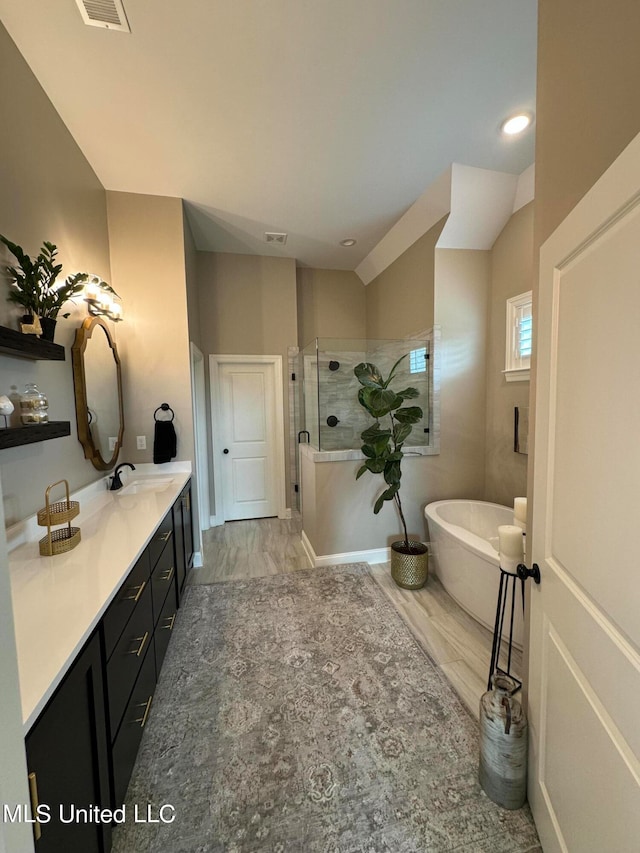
x,y
28,346
16,436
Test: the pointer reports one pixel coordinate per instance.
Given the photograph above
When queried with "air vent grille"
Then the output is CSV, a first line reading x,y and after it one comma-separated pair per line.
x,y
275,237
108,14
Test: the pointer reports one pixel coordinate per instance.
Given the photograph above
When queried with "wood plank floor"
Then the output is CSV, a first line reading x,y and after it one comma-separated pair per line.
x,y
458,645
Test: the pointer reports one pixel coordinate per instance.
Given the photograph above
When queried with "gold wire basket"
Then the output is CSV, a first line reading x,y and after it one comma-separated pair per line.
x,y
62,540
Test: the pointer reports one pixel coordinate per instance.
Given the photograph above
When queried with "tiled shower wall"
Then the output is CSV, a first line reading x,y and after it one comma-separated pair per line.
x,y
338,390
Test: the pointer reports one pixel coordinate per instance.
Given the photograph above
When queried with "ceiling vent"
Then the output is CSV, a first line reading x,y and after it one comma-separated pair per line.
x,y
108,14
275,237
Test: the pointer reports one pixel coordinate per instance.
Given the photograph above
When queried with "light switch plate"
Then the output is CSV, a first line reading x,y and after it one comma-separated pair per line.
x,y
141,442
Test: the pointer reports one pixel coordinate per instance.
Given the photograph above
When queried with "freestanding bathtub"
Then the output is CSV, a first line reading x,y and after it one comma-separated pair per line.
x,y
464,555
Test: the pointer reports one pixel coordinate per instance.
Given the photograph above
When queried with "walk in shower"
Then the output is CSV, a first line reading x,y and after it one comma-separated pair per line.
x,y
329,409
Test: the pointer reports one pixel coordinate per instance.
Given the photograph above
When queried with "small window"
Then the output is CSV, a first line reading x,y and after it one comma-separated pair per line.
x,y
519,337
418,360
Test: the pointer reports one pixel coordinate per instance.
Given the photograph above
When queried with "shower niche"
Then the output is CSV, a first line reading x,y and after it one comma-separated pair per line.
x,y
329,410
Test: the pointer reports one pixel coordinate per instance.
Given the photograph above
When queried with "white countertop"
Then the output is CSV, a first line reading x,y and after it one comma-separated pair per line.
x,y
58,601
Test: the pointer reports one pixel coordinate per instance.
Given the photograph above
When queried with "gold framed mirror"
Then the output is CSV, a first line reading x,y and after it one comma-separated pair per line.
x,y
97,381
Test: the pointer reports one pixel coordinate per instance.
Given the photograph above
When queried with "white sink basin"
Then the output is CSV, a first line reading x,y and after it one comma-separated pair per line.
x,y
139,486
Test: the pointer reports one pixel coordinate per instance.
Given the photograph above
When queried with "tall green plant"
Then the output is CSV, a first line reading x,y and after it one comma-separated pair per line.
x,y
34,281
383,442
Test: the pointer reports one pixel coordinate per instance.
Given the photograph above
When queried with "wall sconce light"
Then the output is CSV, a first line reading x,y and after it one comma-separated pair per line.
x,y
102,300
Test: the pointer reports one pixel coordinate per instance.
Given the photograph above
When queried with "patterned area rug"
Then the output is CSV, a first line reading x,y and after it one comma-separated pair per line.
x,y
296,713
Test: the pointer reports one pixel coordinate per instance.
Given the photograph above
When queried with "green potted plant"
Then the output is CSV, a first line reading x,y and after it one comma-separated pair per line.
x,y
382,446
33,285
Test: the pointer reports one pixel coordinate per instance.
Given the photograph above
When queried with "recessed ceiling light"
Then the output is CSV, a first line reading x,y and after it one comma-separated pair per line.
x,y
348,242
516,124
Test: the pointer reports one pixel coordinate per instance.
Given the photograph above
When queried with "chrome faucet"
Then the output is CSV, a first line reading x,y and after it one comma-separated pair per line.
x,y
116,482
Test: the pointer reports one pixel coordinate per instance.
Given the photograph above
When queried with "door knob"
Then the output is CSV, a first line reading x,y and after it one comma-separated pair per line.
x,y
226,450
524,573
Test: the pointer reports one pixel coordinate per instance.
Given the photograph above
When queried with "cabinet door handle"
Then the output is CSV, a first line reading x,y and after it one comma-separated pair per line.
x,y
136,596
147,706
33,796
142,640
164,537
167,575
170,620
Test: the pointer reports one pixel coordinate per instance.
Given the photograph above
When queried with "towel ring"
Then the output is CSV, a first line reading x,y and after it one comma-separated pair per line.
x,y
165,408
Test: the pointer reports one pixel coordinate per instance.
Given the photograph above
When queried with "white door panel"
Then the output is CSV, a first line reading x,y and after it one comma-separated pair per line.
x,y
249,478
584,673
248,440
248,416
597,413
577,797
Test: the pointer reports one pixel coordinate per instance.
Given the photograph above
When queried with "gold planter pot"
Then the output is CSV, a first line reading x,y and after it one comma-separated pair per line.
x,y
409,571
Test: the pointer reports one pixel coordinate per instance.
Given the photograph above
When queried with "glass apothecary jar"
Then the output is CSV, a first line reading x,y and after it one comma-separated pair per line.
x,y
34,406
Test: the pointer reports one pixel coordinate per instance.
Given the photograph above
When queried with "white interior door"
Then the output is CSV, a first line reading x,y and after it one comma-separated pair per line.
x,y
584,687
248,442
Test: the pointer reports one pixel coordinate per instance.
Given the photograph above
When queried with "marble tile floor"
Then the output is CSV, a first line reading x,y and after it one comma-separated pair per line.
x,y
251,549
457,644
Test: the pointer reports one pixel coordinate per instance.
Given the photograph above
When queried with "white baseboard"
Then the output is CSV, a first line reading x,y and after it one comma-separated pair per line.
x,y
308,548
375,555
197,559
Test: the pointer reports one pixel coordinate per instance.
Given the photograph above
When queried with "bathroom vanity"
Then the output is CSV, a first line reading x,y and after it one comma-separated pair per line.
x,y
92,630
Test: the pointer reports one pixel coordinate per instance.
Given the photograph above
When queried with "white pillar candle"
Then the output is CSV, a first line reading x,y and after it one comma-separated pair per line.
x,y
510,564
510,540
511,547
520,510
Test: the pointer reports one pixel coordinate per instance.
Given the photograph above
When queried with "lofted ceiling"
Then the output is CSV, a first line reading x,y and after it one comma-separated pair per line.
x,y
324,119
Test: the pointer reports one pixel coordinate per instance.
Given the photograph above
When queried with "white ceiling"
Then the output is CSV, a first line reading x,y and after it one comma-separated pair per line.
x,y
322,118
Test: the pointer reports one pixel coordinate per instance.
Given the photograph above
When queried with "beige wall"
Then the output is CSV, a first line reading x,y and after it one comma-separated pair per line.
x,y
148,266
511,274
49,192
588,108
247,303
462,288
247,306
331,304
400,300
191,275
338,511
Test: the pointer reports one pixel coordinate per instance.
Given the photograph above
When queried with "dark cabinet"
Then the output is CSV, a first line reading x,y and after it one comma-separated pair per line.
x,y
67,759
164,628
127,741
178,544
160,538
135,663
187,525
82,749
125,602
183,537
163,581
125,662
